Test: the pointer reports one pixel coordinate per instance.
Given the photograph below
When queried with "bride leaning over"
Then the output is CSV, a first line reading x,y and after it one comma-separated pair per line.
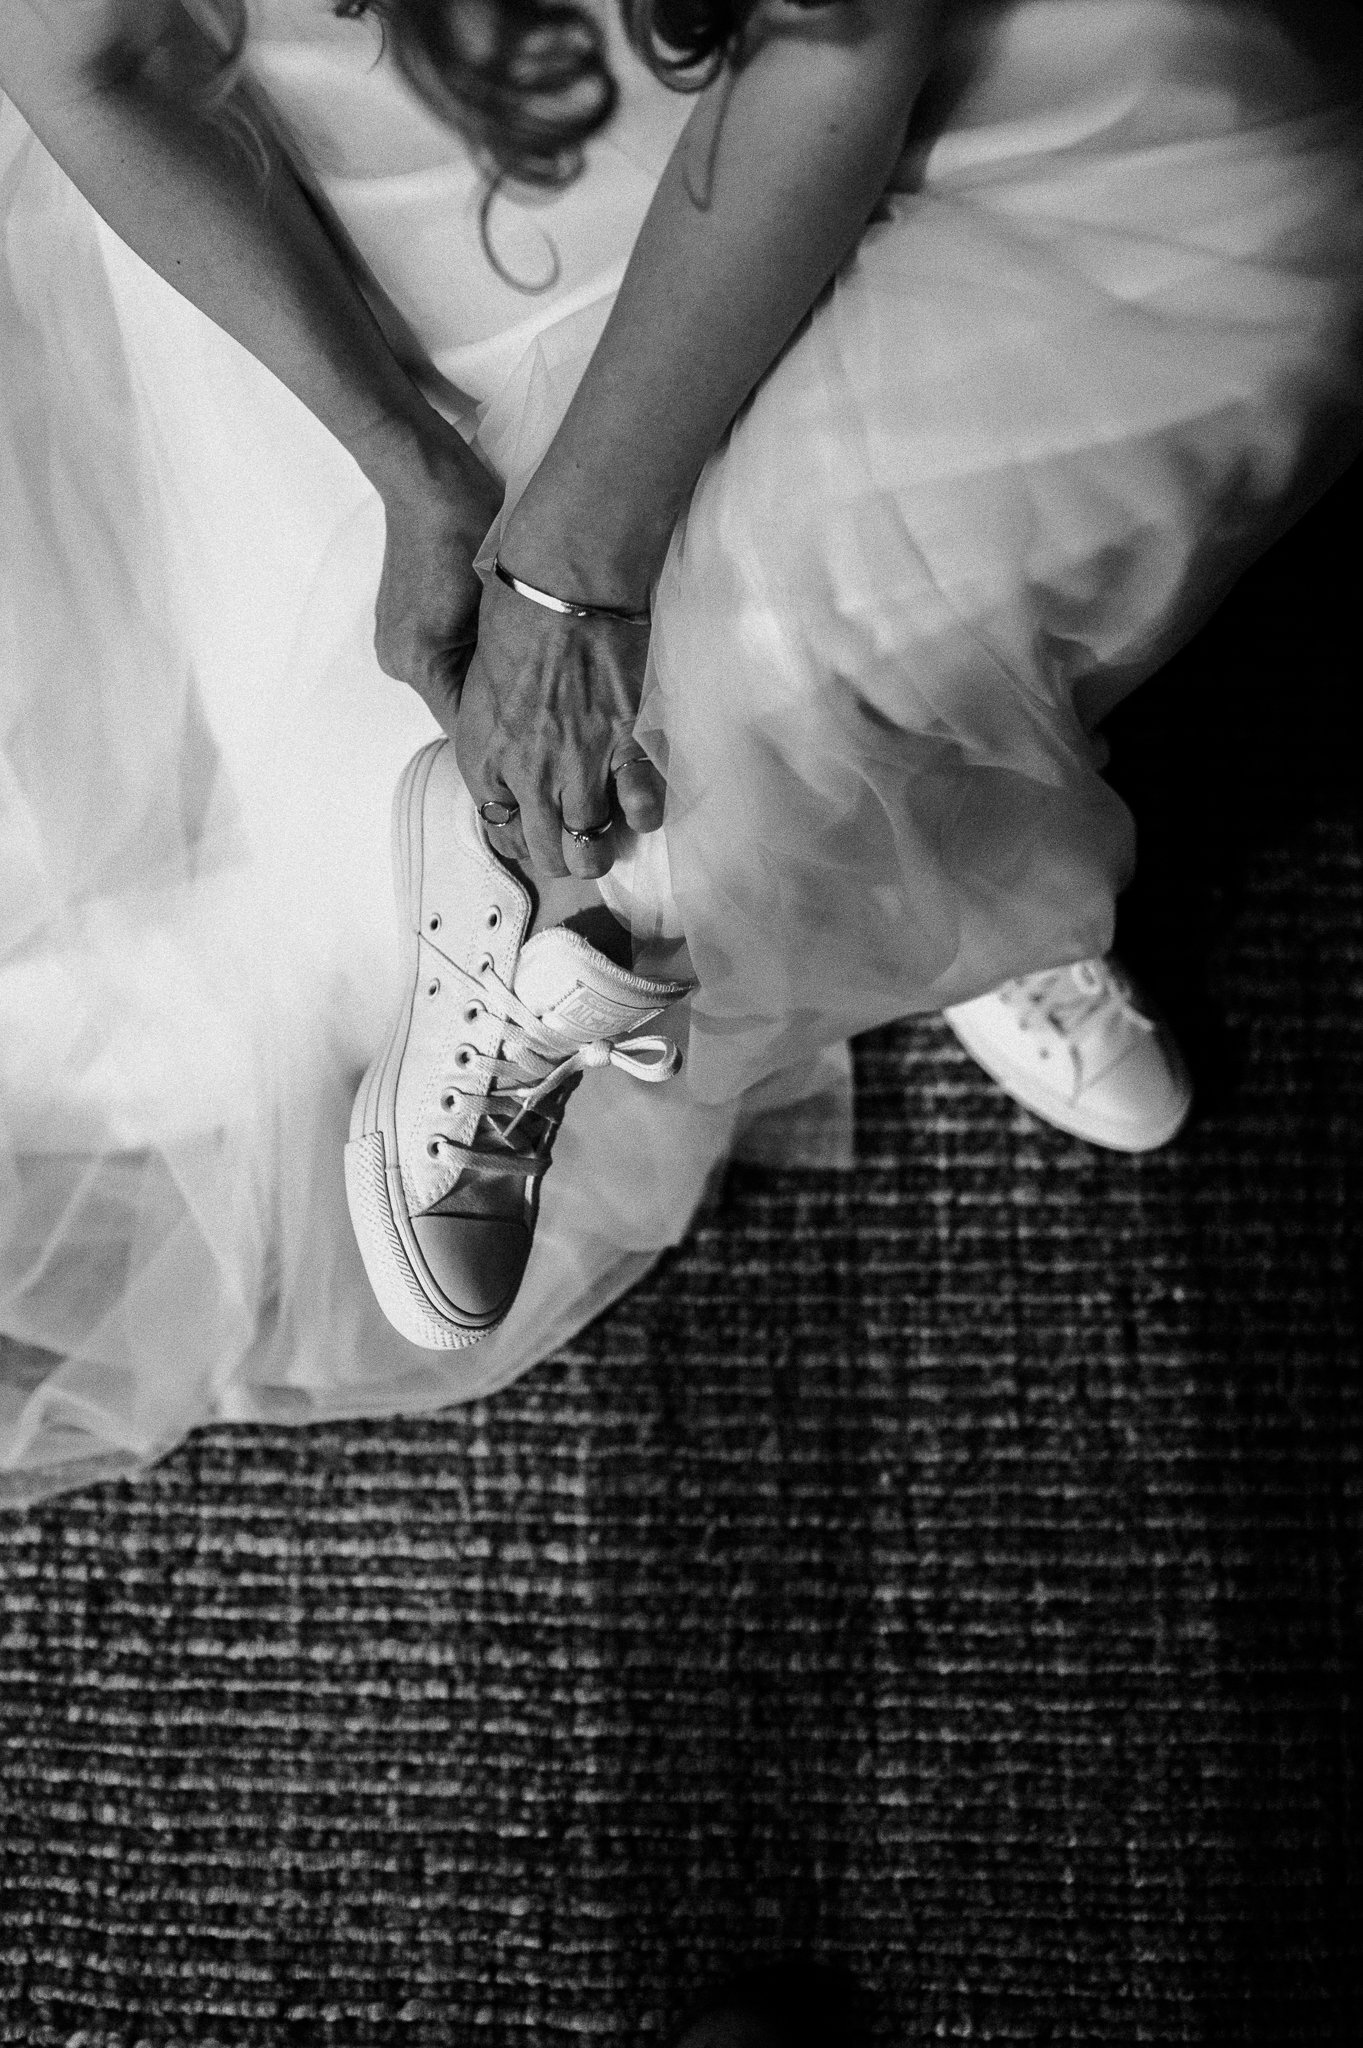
x,y
718,464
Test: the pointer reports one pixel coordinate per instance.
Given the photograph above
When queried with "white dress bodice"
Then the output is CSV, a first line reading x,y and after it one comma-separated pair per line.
x,y
410,195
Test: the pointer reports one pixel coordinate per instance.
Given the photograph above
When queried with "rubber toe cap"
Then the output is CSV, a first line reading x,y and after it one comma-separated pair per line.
x,y
1145,1098
477,1262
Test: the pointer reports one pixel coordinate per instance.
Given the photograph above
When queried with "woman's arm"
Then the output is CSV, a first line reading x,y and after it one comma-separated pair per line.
x,y
253,255
788,154
787,157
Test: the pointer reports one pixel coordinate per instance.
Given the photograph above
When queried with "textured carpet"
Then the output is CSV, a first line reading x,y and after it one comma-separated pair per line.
x,y
950,1569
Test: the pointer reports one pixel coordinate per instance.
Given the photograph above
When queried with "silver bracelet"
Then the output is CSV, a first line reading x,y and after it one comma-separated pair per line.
x,y
562,604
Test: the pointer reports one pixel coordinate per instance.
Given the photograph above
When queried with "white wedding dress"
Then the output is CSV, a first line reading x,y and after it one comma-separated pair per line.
x,y
1096,347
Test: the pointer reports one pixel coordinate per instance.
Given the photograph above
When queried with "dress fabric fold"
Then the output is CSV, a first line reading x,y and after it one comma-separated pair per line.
x,y
1097,346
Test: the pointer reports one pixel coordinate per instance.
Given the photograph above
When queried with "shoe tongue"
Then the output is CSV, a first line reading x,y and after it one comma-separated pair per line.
x,y
563,979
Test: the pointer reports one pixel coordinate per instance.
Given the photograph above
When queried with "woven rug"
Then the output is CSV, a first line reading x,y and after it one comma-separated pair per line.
x,y
949,1569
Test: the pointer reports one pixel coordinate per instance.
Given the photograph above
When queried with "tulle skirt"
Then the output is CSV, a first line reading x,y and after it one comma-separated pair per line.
x,y
1096,347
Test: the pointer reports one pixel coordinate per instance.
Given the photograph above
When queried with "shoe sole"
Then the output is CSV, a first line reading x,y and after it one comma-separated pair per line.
x,y
1112,1138
402,1283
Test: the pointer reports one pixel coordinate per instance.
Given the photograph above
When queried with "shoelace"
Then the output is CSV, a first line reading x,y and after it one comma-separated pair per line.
x,y
539,1061
1073,1000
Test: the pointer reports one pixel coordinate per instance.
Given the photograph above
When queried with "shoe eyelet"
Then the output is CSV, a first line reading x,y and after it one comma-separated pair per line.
x,y
473,1013
492,917
465,1056
433,921
447,1099
486,964
433,1149
433,989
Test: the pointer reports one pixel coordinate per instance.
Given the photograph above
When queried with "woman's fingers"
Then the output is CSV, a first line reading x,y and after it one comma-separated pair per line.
x,y
547,837
587,821
542,828
636,796
501,778
639,789
546,717
501,816
508,841
588,858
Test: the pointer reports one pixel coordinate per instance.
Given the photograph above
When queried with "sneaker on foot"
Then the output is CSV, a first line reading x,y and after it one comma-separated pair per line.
x,y
455,1119
1080,1047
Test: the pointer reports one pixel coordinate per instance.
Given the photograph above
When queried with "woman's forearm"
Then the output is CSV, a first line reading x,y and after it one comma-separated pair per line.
x,y
249,252
766,194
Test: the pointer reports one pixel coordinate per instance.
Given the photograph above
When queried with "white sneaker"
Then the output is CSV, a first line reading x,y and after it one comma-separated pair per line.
x,y
455,1119
1082,1048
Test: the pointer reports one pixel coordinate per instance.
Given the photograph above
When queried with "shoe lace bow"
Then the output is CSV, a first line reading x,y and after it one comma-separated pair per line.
x,y
1074,1001
537,1060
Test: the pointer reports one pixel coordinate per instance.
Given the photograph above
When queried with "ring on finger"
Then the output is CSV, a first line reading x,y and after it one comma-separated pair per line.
x,y
493,811
589,834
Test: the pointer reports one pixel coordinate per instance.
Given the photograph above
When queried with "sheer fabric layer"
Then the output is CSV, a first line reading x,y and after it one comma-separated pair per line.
x,y
198,951
1076,376
1091,354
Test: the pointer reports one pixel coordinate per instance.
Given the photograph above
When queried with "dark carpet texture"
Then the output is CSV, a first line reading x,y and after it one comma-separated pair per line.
x,y
948,1570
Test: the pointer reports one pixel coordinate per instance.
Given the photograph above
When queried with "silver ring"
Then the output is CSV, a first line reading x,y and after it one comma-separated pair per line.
x,y
591,834
506,812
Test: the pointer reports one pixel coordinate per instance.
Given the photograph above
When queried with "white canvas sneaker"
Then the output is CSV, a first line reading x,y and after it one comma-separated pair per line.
x,y
1082,1048
455,1119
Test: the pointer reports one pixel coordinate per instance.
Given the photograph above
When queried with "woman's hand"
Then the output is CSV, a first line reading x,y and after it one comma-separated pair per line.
x,y
547,722
439,503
